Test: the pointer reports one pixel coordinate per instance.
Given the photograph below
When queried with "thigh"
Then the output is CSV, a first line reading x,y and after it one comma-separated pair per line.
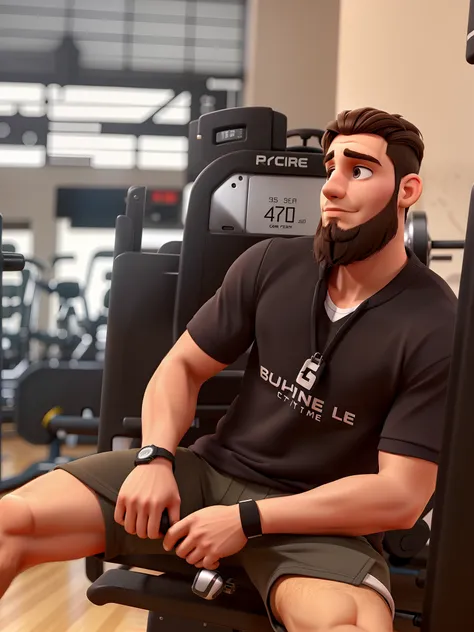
x,y
303,602
53,517
348,561
104,474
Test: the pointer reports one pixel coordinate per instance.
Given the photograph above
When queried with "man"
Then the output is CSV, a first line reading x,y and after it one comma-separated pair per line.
x,y
335,436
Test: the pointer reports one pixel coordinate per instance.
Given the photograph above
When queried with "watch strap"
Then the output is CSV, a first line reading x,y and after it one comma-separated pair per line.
x,y
157,453
250,518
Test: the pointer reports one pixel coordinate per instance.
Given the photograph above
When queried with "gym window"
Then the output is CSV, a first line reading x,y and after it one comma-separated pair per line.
x,y
153,49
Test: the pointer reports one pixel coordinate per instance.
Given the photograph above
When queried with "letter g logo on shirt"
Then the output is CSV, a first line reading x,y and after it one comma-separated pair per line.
x,y
307,376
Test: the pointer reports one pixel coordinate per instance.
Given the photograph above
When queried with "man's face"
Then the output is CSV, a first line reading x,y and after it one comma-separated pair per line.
x,y
359,204
361,180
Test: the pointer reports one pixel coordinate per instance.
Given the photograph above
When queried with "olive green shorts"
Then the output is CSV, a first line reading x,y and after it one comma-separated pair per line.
x,y
352,560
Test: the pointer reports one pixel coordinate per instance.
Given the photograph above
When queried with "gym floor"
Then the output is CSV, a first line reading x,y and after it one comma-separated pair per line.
x,y
52,597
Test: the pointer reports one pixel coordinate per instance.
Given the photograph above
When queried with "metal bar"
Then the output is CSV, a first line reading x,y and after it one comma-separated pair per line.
x,y
120,78
446,244
84,36
189,37
89,104
161,107
128,36
92,14
69,15
74,425
142,129
450,573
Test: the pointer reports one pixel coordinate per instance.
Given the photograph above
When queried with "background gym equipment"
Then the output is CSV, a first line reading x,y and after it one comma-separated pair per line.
x,y
144,320
78,335
418,239
9,262
65,386
66,393
19,312
306,134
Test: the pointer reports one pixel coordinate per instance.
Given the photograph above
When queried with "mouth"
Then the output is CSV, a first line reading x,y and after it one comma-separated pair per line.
x,y
333,209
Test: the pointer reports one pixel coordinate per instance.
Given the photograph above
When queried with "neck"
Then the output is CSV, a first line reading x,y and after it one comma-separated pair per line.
x,y
352,284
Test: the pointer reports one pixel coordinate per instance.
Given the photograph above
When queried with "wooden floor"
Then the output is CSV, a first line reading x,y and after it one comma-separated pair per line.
x,y
52,597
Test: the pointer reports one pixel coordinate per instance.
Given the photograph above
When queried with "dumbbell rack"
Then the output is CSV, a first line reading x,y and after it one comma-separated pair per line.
x,y
9,262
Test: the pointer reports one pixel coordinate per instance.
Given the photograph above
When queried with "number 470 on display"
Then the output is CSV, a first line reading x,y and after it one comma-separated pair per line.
x,y
275,213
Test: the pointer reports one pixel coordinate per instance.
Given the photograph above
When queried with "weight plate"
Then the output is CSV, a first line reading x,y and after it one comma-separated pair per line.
x,y
416,235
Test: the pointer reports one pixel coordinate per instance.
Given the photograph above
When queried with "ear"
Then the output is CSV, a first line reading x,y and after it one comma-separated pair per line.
x,y
410,190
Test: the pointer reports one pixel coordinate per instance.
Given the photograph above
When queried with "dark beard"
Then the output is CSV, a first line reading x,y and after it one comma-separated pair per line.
x,y
338,247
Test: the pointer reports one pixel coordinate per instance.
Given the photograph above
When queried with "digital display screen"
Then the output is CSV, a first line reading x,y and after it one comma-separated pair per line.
x,y
98,207
283,206
163,196
229,135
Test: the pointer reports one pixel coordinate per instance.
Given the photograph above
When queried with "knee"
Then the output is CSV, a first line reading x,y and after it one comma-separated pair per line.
x,y
16,517
303,605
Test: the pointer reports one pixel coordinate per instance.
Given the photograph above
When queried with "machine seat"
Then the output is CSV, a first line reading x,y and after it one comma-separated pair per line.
x,y
172,592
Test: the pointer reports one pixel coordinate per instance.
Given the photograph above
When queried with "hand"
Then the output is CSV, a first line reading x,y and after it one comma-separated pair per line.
x,y
143,497
207,535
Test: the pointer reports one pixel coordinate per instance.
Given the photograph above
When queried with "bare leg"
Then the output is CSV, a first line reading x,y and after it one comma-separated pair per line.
x,y
52,518
305,604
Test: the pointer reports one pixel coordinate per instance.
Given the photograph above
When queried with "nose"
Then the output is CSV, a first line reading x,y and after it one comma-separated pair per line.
x,y
335,187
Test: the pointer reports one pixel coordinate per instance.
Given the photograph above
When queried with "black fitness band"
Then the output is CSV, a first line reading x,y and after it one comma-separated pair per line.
x,y
250,518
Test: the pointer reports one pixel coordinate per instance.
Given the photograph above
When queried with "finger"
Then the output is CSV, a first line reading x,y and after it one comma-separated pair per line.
x,y
119,513
175,533
194,556
130,523
154,520
199,564
185,547
142,522
174,512
210,563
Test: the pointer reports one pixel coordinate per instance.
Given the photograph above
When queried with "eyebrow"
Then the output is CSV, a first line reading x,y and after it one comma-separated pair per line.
x,y
352,154
328,157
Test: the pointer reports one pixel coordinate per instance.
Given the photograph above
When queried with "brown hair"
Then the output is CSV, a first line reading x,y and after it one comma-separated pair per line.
x,y
405,144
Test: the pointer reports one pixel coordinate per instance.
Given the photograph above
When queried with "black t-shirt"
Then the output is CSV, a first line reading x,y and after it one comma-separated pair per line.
x,y
382,385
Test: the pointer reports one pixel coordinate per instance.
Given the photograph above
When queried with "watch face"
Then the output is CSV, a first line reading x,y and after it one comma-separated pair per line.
x,y
145,453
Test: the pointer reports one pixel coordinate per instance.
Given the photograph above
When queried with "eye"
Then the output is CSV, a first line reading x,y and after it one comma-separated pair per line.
x,y
329,173
362,173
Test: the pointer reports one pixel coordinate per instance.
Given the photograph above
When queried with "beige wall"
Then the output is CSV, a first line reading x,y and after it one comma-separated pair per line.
x,y
409,57
292,58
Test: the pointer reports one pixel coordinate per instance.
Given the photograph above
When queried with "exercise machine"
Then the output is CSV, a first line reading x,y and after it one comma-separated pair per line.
x,y
418,239
9,262
450,573
245,162
66,393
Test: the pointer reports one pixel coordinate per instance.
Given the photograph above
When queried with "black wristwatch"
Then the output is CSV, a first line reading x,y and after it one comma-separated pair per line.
x,y
149,453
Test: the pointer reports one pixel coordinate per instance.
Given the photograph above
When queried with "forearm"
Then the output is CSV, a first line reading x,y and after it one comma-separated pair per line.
x,y
169,405
356,505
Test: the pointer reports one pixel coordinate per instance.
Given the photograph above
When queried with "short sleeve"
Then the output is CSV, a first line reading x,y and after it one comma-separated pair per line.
x,y
414,426
224,327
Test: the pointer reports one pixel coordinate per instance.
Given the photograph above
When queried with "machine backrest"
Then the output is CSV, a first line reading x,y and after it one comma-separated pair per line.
x,y
239,199
154,295
139,334
172,247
